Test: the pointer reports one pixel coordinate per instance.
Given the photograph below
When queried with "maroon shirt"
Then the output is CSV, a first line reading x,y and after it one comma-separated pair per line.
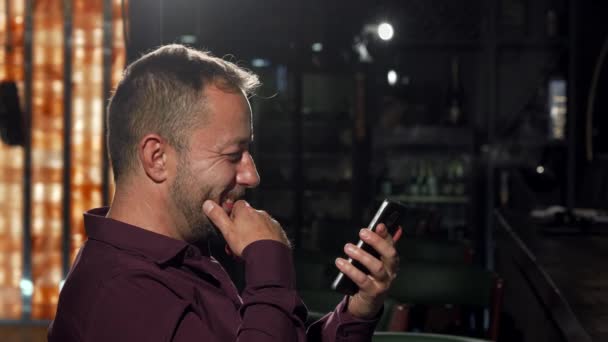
x,y
130,284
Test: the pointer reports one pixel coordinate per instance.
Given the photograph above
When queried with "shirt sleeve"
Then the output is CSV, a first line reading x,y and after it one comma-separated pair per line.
x,y
272,309
341,326
134,307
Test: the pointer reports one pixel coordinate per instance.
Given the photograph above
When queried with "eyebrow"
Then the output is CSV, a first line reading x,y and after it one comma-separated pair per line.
x,y
240,141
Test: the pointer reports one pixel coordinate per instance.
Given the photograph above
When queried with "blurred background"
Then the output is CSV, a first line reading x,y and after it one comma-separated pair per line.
x,y
483,116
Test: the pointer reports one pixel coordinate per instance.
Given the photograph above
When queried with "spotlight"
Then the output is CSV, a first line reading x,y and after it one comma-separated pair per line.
x,y
385,31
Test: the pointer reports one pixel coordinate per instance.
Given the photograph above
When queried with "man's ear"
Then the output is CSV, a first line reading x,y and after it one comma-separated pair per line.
x,y
152,151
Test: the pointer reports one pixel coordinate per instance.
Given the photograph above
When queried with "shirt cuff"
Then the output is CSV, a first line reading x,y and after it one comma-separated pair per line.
x,y
342,326
346,317
269,262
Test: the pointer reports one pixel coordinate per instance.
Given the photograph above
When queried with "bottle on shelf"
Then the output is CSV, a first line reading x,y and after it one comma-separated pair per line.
x,y
421,179
557,105
454,106
413,189
447,182
432,186
459,187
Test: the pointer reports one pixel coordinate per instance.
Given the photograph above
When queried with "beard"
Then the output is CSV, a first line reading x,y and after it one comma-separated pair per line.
x,y
188,196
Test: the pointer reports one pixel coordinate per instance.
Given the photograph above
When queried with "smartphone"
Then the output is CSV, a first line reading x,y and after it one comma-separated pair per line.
x,y
390,213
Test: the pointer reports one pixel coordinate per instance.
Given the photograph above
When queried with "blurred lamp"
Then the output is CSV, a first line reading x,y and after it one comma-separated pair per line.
x,y
371,32
392,77
540,169
385,31
27,287
188,39
260,62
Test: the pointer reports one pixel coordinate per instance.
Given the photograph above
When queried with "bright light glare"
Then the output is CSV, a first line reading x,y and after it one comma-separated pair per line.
x,y
317,47
392,77
260,62
188,39
385,31
27,288
540,169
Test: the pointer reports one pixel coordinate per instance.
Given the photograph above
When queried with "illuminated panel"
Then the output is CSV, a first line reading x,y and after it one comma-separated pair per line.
x,y
87,114
47,155
88,107
11,169
119,55
118,43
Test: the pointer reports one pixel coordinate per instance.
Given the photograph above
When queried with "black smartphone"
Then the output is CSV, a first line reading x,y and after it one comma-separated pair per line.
x,y
390,213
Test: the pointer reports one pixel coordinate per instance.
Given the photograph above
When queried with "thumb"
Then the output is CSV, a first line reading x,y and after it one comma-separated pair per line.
x,y
217,215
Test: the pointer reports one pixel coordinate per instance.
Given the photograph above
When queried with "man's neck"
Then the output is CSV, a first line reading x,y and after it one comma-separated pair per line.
x,y
143,209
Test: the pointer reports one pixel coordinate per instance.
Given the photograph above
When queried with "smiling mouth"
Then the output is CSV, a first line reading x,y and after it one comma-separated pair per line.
x,y
229,198
227,205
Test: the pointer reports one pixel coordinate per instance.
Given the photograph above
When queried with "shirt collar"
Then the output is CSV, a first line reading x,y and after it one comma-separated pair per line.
x,y
159,248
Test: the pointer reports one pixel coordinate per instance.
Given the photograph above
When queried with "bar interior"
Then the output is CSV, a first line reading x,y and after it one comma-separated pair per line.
x,y
482,117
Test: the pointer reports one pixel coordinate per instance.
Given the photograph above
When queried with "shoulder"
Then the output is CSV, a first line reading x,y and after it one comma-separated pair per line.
x,y
134,305
110,291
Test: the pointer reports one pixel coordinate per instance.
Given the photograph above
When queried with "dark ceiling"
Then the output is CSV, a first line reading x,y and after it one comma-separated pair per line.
x,y
247,28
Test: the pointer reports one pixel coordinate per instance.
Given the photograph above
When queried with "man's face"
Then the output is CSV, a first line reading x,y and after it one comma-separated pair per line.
x,y
217,165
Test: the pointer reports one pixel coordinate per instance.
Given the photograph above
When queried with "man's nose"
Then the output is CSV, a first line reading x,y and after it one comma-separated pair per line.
x,y
247,174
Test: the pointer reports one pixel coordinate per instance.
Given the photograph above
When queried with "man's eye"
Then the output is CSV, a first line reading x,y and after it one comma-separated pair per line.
x,y
235,157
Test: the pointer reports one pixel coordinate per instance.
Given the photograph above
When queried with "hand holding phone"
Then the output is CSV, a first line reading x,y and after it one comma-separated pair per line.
x,y
389,213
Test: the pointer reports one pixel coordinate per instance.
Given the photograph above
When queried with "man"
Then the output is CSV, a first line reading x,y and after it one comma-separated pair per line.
x,y
179,129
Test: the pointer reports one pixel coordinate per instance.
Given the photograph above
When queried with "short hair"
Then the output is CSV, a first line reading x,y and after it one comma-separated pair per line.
x,y
162,92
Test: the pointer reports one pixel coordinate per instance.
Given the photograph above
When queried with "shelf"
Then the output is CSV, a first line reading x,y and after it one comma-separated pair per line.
x,y
339,154
440,44
533,43
536,43
312,186
309,121
275,125
531,143
343,152
309,219
329,122
429,136
332,186
429,199
260,155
